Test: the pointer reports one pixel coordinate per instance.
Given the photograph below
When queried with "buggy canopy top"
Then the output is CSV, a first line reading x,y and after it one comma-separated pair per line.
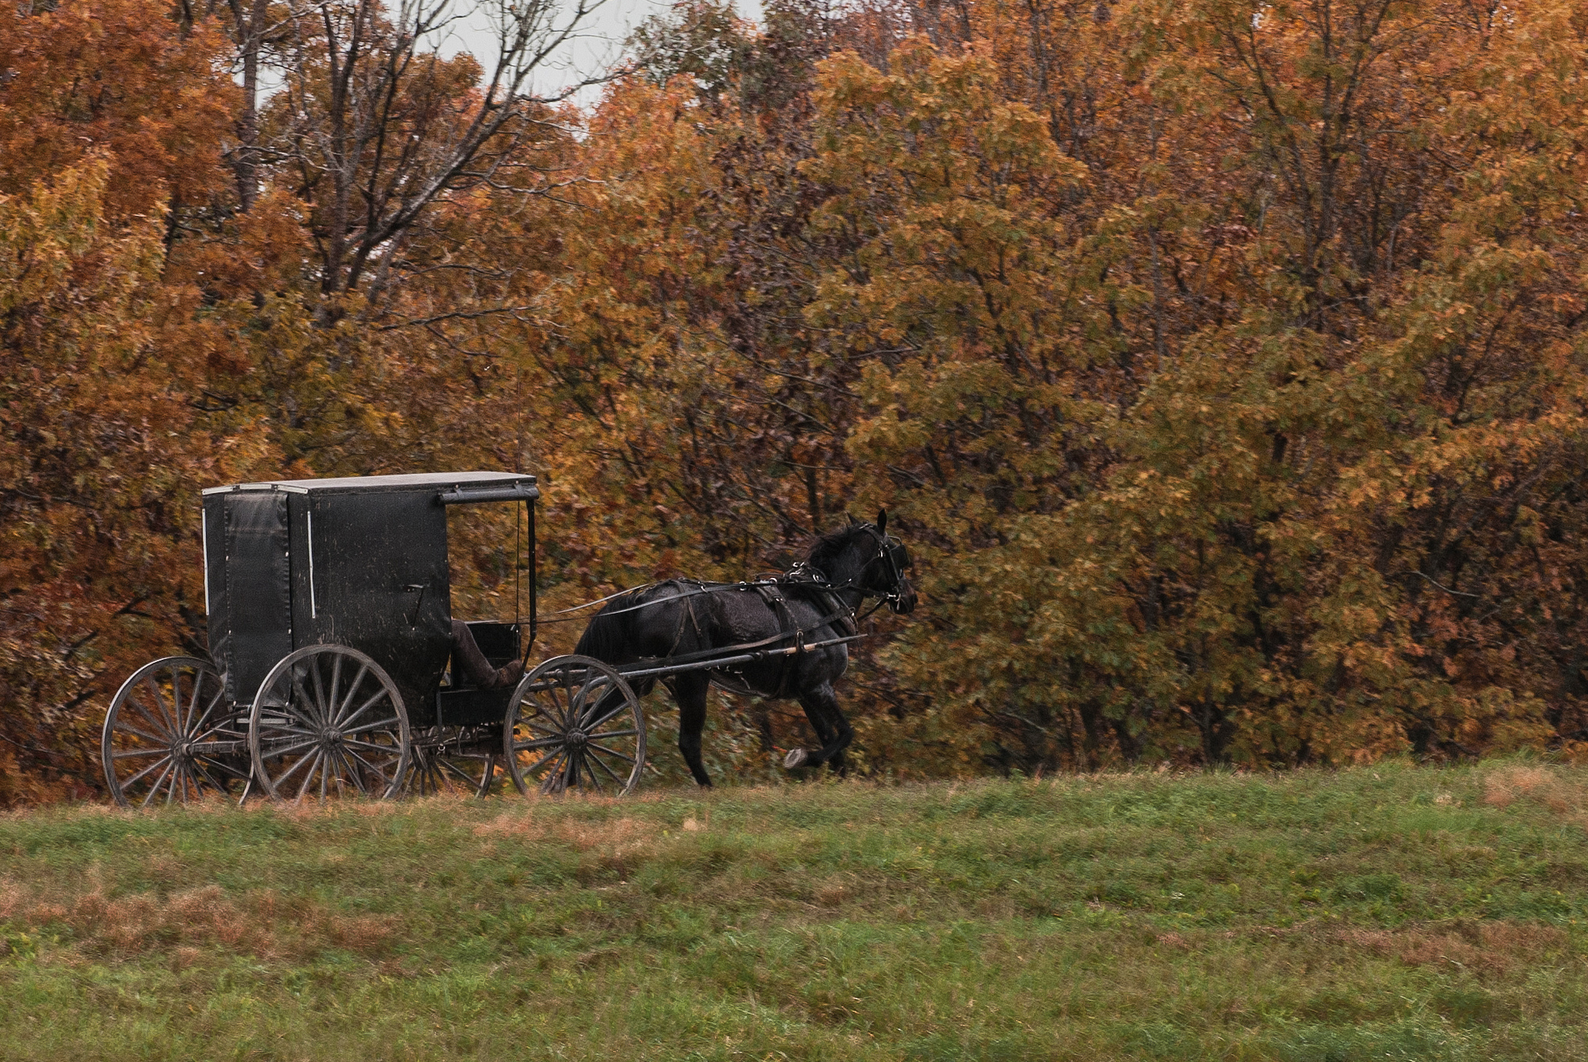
x,y
450,488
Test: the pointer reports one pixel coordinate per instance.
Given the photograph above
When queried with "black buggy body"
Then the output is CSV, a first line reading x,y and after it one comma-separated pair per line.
x,y
358,562
330,630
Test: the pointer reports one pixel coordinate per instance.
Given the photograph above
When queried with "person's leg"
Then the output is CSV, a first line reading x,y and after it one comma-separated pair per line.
x,y
478,670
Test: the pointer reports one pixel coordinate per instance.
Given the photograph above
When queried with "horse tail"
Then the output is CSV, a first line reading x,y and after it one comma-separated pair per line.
x,y
610,634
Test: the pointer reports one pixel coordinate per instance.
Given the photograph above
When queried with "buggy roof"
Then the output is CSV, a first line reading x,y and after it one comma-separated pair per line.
x,y
450,487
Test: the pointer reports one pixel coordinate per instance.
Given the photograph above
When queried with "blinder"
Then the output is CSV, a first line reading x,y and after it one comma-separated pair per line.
x,y
894,558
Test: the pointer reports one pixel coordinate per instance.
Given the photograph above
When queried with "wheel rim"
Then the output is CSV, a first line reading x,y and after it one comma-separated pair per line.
x,y
171,736
574,722
328,721
455,760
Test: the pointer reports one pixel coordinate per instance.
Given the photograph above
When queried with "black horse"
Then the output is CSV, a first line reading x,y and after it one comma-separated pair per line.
x,y
683,620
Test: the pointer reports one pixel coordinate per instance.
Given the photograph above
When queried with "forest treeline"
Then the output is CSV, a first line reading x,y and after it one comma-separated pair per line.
x,y
1222,363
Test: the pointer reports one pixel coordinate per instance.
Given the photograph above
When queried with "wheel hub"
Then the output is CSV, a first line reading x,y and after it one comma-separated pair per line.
x,y
577,739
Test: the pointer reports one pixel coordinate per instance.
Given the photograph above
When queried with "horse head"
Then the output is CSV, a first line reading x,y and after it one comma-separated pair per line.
x,y
863,558
885,576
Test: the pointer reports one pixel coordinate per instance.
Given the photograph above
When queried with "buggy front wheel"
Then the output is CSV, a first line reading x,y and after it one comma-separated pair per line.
x,y
328,721
574,722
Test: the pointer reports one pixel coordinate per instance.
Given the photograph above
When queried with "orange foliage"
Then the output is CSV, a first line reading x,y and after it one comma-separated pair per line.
x,y
118,78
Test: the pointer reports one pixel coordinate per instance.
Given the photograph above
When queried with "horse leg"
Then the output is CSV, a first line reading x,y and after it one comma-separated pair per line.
x,y
690,692
832,729
825,734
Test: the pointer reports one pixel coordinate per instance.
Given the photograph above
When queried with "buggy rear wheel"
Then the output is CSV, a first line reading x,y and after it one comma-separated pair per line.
x,y
460,760
574,722
171,736
328,721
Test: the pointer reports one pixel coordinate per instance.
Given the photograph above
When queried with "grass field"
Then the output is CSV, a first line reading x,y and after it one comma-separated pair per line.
x,y
1380,913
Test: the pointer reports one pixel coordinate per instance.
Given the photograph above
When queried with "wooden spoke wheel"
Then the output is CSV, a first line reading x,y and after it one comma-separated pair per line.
x,y
574,722
171,736
328,721
460,760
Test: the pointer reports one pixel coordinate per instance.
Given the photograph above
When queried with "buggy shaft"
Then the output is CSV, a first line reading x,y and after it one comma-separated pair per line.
x,y
728,661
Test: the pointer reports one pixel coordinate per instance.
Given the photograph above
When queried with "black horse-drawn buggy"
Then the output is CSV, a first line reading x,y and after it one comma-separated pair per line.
x,y
334,664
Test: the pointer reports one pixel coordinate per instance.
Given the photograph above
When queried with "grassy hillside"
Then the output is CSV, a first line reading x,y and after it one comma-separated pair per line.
x,y
1391,912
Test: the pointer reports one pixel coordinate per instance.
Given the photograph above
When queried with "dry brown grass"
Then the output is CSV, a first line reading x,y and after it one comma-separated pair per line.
x,y
186,923
1540,785
1487,947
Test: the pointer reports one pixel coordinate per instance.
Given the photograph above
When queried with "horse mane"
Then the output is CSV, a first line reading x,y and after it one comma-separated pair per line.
x,y
828,547
608,636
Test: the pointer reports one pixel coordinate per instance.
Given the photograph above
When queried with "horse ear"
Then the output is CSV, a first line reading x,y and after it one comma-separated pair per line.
x,y
882,520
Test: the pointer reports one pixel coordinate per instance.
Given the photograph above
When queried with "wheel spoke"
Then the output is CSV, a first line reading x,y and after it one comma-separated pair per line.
x,y
333,709
564,704
610,752
300,762
538,743
374,698
122,754
542,727
584,761
611,714
592,681
164,740
318,760
352,691
550,783
178,778
298,703
206,736
389,723
373,746
444,767
549,757
599,762
166,718
222,765
158,782
193,717
218,699
287,750
183,718
376,771
146,717
200,771
165,759
320,703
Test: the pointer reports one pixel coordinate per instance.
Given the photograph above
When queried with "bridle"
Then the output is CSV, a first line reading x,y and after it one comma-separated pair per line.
x,y
890,551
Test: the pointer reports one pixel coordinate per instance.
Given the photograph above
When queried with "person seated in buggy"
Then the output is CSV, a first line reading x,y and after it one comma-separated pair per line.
x,y
466,656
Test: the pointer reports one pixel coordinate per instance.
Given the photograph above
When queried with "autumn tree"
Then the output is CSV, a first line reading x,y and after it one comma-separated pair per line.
x,y
100,454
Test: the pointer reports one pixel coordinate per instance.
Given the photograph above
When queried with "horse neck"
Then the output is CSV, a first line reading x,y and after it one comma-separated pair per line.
x,y
843,574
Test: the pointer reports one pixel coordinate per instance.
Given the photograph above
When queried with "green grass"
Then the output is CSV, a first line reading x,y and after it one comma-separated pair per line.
x,y
1392,912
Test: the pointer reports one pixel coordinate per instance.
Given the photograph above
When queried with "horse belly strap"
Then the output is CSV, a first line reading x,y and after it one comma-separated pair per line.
x,y
786,627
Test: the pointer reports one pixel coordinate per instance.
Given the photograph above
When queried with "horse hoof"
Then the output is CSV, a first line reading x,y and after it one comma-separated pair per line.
x,y
796,758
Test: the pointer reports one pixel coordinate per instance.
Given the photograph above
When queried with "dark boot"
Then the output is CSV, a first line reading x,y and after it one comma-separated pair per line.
x,y
506,676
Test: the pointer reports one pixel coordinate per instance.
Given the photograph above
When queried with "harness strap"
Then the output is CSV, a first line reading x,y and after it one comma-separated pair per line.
x,y
786,624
